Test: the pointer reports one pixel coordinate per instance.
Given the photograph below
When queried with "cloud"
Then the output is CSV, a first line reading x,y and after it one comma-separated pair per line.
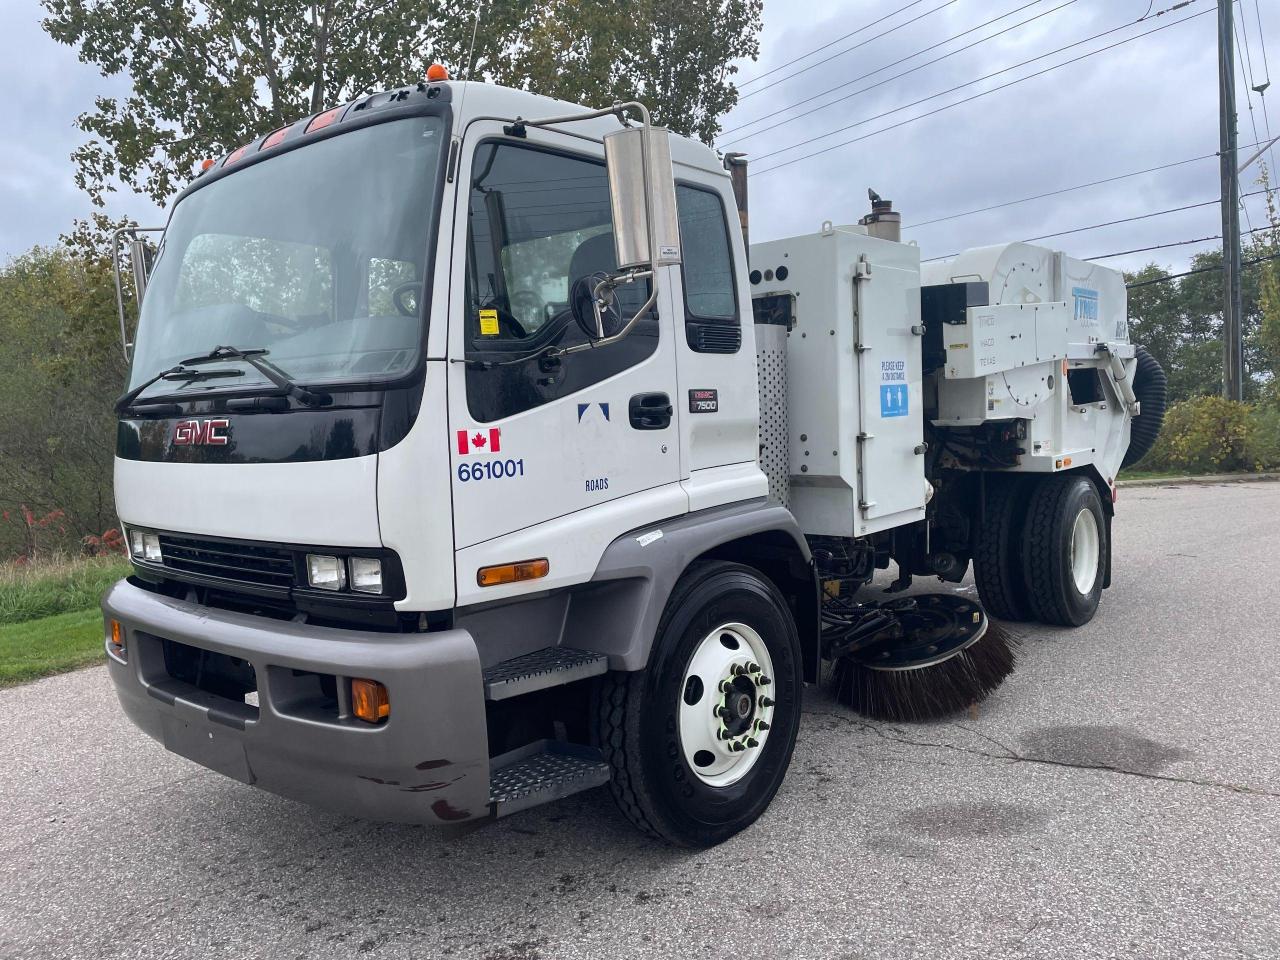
x,y
1140,105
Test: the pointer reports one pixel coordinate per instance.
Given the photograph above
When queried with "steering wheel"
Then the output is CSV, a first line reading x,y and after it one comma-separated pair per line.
x,y
403,290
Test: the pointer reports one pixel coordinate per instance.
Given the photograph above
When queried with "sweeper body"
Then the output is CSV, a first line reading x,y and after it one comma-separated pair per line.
x,y
468,461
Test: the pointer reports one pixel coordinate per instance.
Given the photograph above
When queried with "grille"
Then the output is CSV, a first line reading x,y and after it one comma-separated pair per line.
x,y
228,560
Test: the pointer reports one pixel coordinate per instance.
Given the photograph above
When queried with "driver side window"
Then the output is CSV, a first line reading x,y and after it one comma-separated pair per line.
x,y
540,229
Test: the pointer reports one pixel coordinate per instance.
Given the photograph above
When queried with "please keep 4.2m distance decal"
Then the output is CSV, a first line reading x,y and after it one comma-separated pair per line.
x,y
475,444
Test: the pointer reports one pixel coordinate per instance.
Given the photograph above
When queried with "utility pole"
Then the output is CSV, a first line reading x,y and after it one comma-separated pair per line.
x,y
1232,325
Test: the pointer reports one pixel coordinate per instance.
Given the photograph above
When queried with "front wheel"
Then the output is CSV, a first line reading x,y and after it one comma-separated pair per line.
x,y
700,740
1064,550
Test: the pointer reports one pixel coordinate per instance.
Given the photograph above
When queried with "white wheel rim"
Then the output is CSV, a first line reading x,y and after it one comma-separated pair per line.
x,y
1086,547
730,670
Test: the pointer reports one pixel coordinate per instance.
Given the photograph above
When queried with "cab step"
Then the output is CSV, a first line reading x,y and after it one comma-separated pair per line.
x,y
549,667
542,772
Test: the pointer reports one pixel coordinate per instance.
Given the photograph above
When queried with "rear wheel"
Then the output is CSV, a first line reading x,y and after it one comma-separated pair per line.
x,y
997,555
700,740
1064,550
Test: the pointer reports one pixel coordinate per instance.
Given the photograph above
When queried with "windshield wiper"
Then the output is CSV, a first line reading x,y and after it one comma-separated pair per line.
x,y
253,357
180,372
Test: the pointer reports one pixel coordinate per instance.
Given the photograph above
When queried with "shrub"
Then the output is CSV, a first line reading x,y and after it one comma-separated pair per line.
x,y
1264,437
1203,435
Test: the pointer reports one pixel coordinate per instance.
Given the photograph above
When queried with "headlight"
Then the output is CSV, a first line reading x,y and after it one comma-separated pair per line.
x,y
136,544
366,574
151,547
326,573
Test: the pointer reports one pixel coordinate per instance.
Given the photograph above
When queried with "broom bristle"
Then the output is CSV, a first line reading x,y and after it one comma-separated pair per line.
x,y
928,692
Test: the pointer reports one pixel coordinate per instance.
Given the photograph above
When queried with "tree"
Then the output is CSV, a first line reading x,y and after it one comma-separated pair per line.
x,y
1180,322
209,75
59,371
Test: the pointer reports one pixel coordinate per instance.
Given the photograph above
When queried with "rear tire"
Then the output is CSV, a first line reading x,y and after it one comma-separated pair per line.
x,y
997,556
642,719
1064,548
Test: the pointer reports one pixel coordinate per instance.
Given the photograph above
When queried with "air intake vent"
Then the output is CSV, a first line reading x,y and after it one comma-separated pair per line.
x,y
714,338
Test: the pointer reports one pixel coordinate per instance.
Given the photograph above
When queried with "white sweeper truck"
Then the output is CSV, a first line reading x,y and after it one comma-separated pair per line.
x,y
469,459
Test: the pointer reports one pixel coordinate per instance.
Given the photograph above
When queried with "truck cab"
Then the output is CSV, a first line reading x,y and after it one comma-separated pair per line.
x,y
392,492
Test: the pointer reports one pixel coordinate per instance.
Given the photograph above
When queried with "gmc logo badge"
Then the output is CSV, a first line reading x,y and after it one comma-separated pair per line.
x,y
192,432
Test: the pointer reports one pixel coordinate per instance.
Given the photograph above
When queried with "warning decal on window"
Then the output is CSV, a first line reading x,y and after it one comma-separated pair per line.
x,y
488,323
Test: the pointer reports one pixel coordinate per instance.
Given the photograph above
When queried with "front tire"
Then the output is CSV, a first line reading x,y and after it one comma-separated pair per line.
x,y
1064,549
691,779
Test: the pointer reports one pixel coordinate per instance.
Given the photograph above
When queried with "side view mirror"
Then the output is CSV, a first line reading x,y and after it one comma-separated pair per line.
x,y
142,254
141,257
642,196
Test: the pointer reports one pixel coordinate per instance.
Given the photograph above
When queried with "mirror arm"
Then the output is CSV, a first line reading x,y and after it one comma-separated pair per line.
x,y
115,272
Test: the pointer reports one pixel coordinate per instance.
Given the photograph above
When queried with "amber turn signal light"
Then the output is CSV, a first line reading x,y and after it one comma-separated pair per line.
x,y
117,638
513,572
369,700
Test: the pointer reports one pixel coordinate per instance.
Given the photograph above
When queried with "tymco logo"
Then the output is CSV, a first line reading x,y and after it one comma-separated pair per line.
x,y
213,432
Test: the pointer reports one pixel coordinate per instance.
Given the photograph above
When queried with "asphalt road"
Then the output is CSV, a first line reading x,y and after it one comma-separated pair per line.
x,y
1118,797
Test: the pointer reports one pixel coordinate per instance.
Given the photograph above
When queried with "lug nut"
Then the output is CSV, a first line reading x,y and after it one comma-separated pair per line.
x,y
766,702
752,742
753,668
726,686
764,681
762,725
724,713
739,669
737,746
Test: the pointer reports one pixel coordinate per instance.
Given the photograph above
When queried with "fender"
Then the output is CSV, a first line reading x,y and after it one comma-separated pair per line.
x,y
618,613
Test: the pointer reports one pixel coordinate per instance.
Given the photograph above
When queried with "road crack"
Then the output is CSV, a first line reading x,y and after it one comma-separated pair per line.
x,y
1009,755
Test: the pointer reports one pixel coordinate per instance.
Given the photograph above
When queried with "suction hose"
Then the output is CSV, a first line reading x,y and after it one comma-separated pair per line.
x,y
1150,387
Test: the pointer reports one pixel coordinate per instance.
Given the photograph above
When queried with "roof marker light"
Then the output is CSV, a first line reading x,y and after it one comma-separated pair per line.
x,y
436,72
322,120
274,139
233,156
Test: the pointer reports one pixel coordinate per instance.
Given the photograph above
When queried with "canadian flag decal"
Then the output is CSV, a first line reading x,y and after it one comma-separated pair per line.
x,y
480,441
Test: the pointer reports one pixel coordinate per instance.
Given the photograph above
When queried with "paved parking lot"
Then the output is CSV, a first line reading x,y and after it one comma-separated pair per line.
x,y
1119,797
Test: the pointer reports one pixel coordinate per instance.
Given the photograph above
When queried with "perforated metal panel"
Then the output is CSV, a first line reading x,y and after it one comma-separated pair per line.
x,y
771,370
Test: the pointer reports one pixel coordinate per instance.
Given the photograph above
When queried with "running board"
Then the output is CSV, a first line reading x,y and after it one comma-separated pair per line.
x,y
542,772
549,667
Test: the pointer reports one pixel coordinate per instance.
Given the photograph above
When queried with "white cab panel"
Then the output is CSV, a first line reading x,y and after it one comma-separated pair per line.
x,y
325,502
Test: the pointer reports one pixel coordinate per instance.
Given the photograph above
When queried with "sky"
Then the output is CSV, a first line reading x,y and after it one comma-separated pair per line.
x,y
1142,104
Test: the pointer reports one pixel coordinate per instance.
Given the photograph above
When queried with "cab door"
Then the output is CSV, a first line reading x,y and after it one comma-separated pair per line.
x,y
533,435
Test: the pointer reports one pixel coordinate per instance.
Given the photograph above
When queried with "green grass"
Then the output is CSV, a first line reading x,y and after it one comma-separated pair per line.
x,y
1149,474
49,587
49,645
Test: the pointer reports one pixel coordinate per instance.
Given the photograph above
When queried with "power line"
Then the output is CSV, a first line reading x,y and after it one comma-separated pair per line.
x,y
830,43
1158,246
969,99
841,86
1188,273
1176,243
1111,223
1054,193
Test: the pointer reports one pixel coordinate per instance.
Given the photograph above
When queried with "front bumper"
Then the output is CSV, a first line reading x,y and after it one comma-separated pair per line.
x,y
427,763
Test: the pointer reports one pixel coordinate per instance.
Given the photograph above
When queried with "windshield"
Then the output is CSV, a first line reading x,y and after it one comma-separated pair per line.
x,y
316,255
